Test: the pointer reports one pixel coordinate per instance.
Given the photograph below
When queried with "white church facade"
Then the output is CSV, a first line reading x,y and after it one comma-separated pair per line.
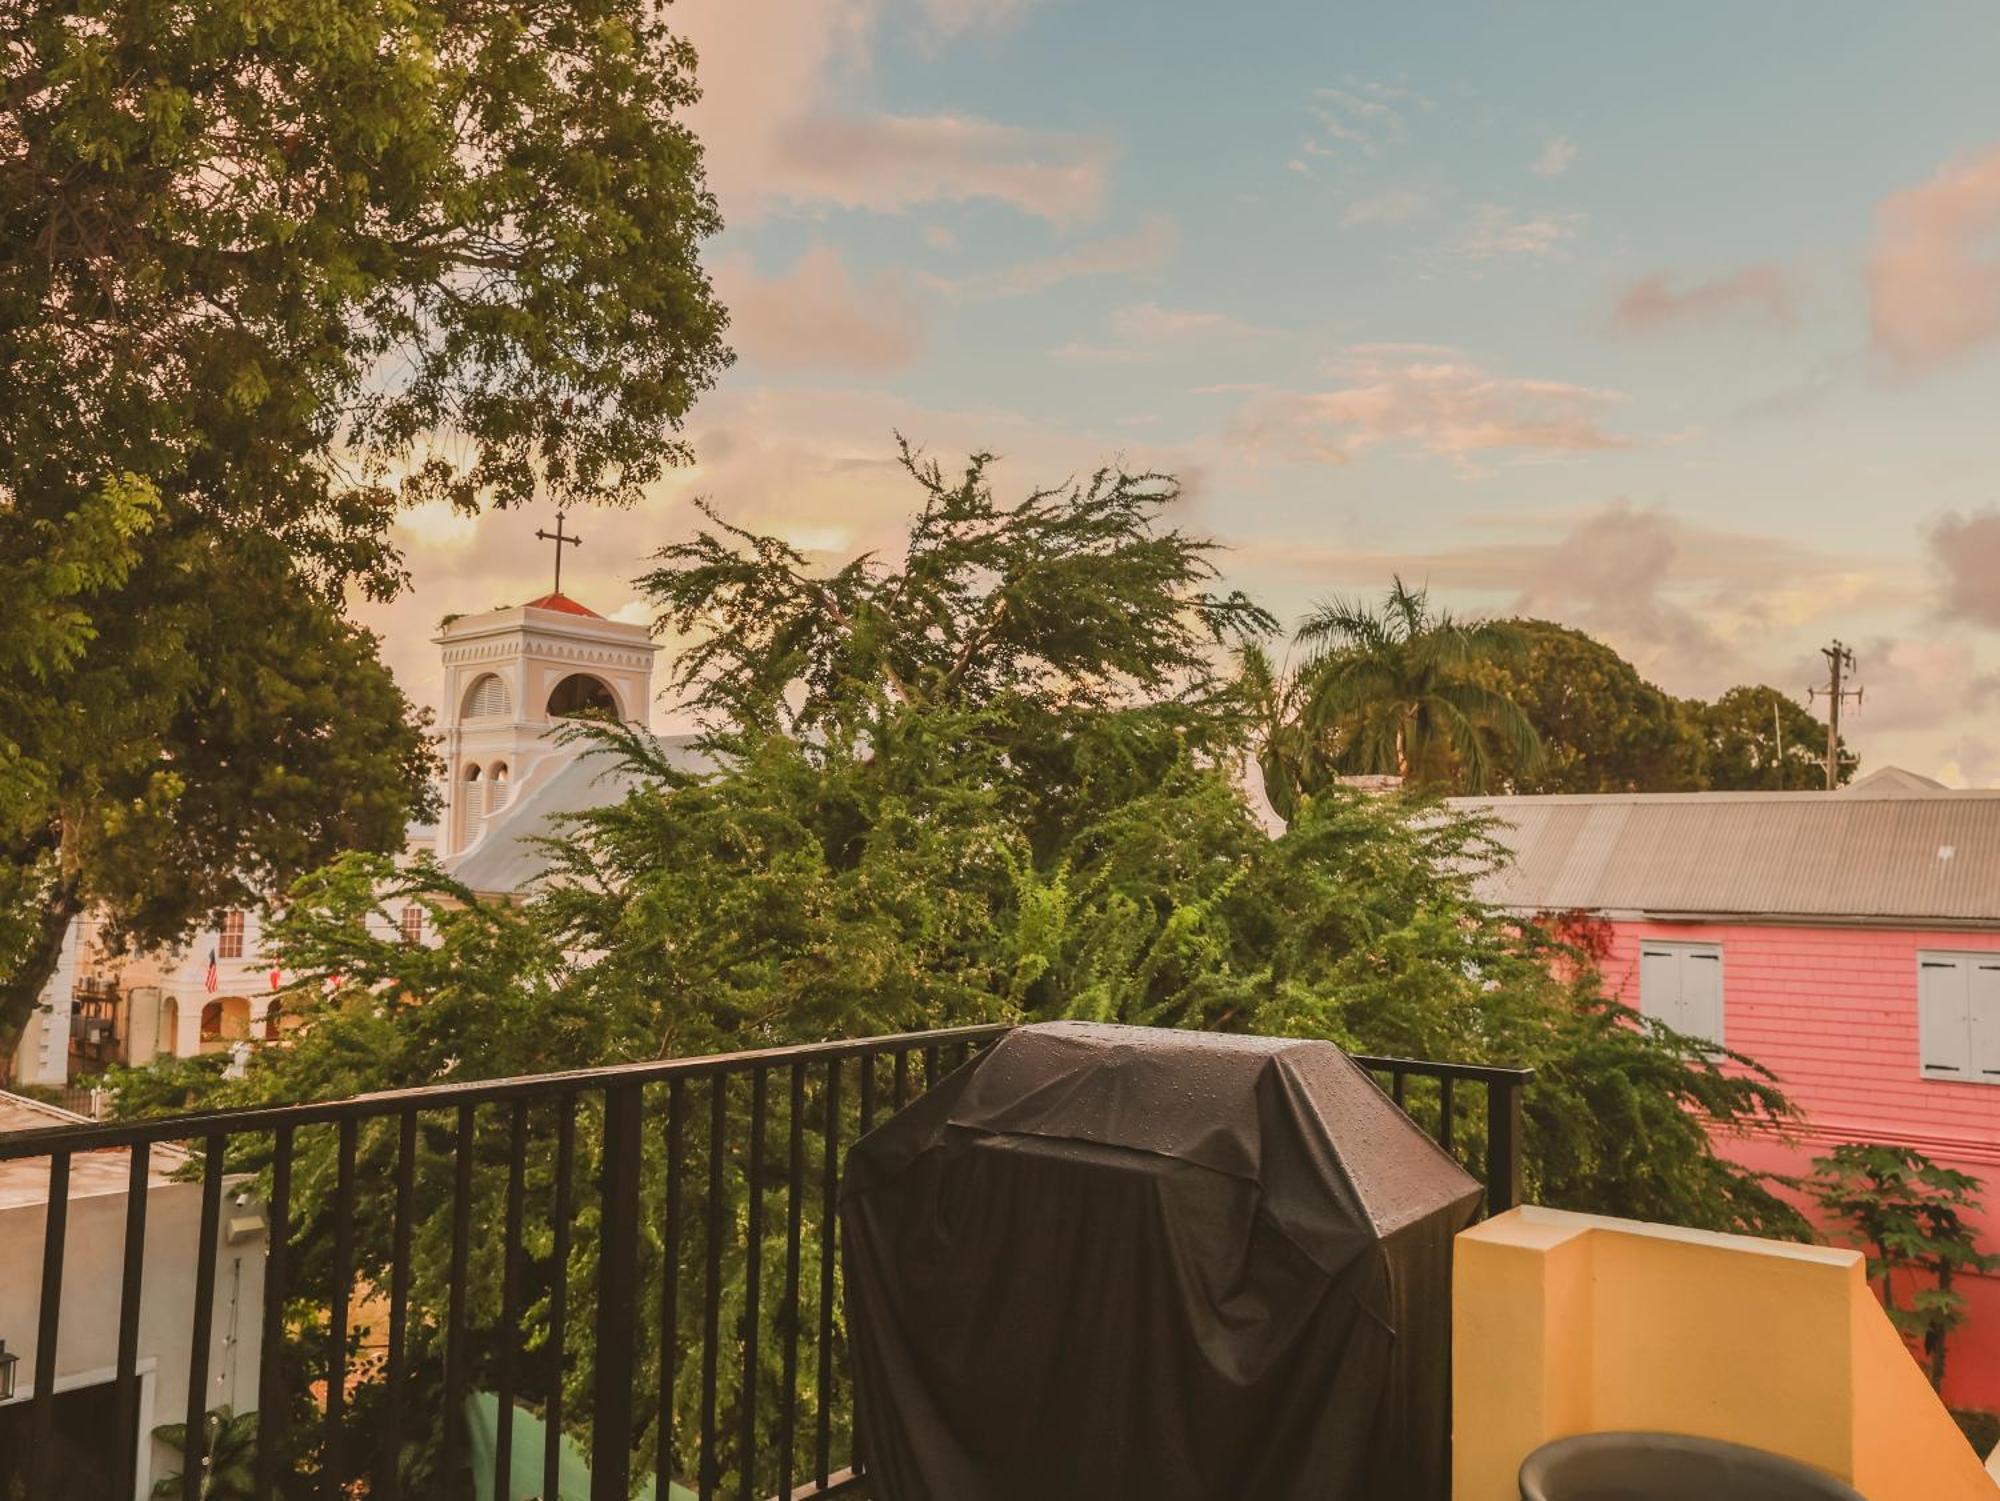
x,y
512,677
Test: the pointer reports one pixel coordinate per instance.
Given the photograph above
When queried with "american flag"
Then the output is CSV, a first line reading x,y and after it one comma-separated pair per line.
x,y
213,980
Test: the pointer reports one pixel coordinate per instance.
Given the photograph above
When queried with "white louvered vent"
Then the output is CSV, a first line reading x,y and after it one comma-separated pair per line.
x,y
488,698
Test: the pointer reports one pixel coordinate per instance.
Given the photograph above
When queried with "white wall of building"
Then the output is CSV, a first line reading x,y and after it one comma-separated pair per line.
x,y
43,1054
87,1343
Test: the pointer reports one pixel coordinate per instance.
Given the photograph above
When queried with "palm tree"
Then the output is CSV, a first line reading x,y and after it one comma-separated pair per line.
x,y
1395,690
1291,760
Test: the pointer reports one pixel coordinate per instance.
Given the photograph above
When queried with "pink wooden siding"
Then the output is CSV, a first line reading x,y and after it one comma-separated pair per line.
x,y
1832,1011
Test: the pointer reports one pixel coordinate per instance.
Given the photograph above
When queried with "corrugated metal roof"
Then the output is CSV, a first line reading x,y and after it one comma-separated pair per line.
x,y
1887,850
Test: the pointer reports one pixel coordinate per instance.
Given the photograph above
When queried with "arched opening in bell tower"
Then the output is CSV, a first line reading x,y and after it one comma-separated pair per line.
x,y
581,695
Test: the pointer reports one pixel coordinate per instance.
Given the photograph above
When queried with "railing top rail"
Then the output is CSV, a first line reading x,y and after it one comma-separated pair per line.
x,y
441,1096
390,1102
1432,1069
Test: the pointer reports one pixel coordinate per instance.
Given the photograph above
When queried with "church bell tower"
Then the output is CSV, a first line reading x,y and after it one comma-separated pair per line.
x,y
511,676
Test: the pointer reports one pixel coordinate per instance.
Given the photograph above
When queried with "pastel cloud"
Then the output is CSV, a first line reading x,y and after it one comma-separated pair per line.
x,y
1557,156
1390,206
1614,570
1917,682
1145,331
1972,761
951,18
1443,406
816,316
1965,552
1934,275
1498,230
1695,607
1144,249
1362,115
1148,320
892,162
1757,297
776,139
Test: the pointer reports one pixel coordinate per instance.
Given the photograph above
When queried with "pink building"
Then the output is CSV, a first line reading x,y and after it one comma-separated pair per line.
x,y
1849,942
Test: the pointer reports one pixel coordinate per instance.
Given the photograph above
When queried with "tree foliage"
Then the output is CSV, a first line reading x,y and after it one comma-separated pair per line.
x,y
1758,739
995,778
1915,1218
229,734
1600,726
1396,689
1527,707
229,1448
269,271
246,233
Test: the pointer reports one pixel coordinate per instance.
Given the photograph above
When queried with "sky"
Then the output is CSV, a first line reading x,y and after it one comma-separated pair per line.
x,y
1680,324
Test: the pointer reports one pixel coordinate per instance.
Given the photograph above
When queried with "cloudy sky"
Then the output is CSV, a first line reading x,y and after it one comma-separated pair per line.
x,y
1677,323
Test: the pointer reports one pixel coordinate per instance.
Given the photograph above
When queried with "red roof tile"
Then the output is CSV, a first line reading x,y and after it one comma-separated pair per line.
x,y
563,603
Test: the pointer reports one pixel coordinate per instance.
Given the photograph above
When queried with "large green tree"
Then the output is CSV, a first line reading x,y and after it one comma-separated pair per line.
x,y
268,271
1759,739
1599,725
227,735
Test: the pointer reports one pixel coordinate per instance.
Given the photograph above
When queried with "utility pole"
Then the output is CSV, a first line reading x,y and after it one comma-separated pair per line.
x,y
1839,661
1778,734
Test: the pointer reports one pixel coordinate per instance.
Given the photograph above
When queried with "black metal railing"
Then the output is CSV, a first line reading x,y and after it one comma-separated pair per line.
x,y
1487,1139
427,1245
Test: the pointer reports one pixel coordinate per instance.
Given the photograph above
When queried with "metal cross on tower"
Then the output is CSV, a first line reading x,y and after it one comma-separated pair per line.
x,y
561,541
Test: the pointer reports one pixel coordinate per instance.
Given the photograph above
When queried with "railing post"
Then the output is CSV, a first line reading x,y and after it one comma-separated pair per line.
x,y
1503,1145
617,1296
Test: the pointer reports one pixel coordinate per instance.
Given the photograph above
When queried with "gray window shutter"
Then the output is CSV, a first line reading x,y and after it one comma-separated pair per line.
x,y
1944,1020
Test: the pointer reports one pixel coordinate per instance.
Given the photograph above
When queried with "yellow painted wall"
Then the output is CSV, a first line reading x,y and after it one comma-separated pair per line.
x,y
1568,1323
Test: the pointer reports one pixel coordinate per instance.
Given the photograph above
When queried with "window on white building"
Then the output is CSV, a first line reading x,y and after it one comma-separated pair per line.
x,y
411,921
496,787
1958,1016
231,946
1681,985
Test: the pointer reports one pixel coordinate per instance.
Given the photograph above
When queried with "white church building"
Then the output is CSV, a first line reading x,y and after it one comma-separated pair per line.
x,y
512,676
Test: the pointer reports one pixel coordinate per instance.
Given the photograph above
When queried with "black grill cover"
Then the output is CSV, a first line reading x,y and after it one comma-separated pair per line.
x,y
1110,1262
